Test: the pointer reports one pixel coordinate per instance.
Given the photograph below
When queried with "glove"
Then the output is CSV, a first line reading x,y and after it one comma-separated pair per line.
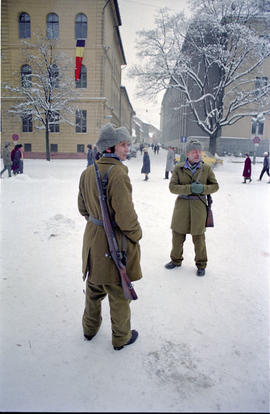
x,y
196,188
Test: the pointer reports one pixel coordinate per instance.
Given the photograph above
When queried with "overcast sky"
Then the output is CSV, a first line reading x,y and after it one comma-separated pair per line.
x,y
138,15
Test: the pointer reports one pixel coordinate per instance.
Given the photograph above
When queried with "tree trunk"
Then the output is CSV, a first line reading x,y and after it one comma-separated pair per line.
x,y
213,142
48,155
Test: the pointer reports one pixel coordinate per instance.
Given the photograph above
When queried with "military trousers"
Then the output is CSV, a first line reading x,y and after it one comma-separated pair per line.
x,y
119,311
199,247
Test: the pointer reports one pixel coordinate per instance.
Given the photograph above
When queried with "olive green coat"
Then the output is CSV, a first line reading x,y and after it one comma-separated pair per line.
x,y
189,216
95,262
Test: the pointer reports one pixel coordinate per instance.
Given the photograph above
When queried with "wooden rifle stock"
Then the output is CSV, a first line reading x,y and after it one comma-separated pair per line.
x,y
116,255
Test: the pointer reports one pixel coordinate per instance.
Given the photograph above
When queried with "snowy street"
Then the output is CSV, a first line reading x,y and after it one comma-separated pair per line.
x,y
203,342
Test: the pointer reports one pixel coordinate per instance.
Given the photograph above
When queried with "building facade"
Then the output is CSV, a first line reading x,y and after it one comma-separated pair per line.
x,y
178,123
100,97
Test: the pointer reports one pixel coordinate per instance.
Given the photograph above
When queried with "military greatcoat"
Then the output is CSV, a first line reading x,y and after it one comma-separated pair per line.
x,y
96,263
189,216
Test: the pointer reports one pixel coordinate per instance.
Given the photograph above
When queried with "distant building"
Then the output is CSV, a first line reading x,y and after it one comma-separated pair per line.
x,y
102,98
177,125
144,132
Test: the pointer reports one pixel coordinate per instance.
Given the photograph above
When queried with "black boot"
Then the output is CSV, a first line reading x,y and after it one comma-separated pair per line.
x,y
200,271
171,265
134,336
89,337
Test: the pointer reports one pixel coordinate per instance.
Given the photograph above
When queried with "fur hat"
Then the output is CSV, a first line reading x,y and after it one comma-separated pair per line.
x,y
193,144
110,136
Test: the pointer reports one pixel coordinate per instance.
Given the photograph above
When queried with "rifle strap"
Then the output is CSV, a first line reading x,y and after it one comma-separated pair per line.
x,y
100,222
105,180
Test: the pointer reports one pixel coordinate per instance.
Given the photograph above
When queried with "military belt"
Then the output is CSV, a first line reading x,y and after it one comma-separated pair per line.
x,y
95,221
191,197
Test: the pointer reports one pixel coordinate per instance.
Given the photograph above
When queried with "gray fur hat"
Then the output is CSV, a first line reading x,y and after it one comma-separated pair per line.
x,y
110,136
193,144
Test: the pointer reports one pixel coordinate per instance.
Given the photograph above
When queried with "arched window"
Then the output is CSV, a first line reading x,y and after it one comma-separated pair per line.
x,y
82,82
81,26
24,26
52,26
26,78
54,76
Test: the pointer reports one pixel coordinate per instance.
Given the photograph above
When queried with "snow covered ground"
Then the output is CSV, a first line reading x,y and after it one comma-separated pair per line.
x,y
203,343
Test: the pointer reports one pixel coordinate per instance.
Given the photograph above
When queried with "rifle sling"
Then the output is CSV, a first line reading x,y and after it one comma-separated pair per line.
x,y
100,222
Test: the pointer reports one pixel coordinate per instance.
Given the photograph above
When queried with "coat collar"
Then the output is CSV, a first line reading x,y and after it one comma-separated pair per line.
x,y
111,161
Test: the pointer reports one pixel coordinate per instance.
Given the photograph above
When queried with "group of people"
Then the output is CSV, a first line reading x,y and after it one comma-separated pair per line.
x,y
170,163
247,168
13,160
191,180
92,155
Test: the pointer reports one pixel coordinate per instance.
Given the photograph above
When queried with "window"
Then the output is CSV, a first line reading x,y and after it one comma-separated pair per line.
x,y
260,83
54,76
52,26
26,78
257,127
260,128
82,82
80,147
54,147
24,26
54,122
28,147
80,121
253,127
81,26
27,123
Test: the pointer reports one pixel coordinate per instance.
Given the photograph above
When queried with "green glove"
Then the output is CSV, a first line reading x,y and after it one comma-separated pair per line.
x,y
196,188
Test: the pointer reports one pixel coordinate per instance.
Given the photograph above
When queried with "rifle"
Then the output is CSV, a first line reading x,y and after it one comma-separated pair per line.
x,y
115,253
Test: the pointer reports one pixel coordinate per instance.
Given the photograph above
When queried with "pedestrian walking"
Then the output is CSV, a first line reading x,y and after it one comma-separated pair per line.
x,y
90,155
15,158
146,164
191,180
265,165
99,271
247,169
6,159
170,162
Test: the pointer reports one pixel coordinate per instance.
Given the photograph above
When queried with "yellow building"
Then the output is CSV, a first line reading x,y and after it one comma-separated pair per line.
x,y
101,97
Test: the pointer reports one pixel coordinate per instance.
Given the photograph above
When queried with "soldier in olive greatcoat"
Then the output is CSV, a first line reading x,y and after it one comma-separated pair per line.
x,y
98,268
192,180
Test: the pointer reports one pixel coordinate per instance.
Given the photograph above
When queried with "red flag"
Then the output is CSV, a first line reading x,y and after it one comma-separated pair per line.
x,y
79,57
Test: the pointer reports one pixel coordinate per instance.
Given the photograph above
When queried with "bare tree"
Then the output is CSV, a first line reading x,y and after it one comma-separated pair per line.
x,y
215,59
46,90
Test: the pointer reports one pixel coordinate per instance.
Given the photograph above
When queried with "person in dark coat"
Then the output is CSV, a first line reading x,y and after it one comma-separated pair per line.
x,y
247,169
265,166
15,158
146,164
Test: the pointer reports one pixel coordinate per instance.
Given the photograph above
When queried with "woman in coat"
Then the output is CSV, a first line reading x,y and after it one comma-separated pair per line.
x,y
247,169
146,164
16,158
